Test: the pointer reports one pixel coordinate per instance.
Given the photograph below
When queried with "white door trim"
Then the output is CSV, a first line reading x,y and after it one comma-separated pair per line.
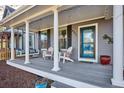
x,y
96,45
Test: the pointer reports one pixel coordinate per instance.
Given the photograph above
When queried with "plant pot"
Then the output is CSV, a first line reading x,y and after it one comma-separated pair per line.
x,y
105,59
42,85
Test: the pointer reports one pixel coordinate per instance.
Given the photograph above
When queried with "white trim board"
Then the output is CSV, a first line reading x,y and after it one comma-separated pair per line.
x,y
70,82
96,44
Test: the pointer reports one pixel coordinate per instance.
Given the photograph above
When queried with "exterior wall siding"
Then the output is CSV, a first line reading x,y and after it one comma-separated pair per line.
x,y
69,16
104,27
78,14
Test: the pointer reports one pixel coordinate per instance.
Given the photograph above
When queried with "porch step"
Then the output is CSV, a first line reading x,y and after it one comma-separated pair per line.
x,y
57,84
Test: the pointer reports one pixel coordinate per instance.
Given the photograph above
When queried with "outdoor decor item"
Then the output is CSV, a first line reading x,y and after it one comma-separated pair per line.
x,y
41,83
108,38
105,59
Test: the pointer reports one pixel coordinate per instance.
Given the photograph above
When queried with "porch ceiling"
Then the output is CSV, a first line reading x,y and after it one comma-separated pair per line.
x,y
18,19
69,15
93,74
31,14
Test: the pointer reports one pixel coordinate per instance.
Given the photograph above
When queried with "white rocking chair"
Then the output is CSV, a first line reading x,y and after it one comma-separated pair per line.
x,y
66,55
48,53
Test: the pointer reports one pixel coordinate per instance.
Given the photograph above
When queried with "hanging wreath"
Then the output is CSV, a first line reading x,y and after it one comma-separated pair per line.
x,y
108,38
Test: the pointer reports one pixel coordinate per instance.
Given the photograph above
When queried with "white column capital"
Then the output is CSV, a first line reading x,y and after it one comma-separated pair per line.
x,y
54,10
56,7
26,21
12,27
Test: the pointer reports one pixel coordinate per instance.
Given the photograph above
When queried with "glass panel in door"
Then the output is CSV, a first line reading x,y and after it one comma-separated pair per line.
x,y
87,42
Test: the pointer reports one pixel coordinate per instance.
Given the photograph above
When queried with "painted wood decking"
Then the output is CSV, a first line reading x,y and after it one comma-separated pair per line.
x,y
95,74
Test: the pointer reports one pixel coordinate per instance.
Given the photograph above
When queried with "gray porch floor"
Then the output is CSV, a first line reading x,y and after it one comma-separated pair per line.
x,y
95,74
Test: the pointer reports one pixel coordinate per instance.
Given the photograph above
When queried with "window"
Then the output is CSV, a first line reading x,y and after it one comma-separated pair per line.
x,y
63,38
30,40
43,38
21,31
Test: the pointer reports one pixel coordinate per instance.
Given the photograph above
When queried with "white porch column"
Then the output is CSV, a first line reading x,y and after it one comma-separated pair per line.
x,y
12,44
27,43
118,46
56,49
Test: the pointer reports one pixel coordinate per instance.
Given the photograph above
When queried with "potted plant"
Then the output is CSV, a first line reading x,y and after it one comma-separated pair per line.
x,y
106,59
41,82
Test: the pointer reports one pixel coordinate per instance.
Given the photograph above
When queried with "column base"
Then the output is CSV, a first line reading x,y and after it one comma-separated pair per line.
x,y
11,59
117,83
56,69
27,62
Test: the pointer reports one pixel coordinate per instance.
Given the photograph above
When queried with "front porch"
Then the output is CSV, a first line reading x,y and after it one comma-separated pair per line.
x,y
75,74
50,19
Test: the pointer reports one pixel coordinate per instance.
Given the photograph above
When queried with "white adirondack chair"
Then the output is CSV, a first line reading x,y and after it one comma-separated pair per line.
x,y
48,53
66,55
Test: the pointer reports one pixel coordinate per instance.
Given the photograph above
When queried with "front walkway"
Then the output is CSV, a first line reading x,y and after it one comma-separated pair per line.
x,y
76,74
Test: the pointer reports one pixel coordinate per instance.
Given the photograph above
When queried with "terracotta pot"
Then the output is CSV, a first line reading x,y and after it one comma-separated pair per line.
x,y
105,59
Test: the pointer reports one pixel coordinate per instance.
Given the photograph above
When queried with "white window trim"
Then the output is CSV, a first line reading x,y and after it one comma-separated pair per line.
x,y
96,45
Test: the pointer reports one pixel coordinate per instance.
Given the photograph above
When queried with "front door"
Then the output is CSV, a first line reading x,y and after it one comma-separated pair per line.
x,y
88,43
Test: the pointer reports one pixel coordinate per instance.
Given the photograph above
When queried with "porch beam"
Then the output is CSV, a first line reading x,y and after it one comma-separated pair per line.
x,y
12,44
27,43
50,9
56,49
118,47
